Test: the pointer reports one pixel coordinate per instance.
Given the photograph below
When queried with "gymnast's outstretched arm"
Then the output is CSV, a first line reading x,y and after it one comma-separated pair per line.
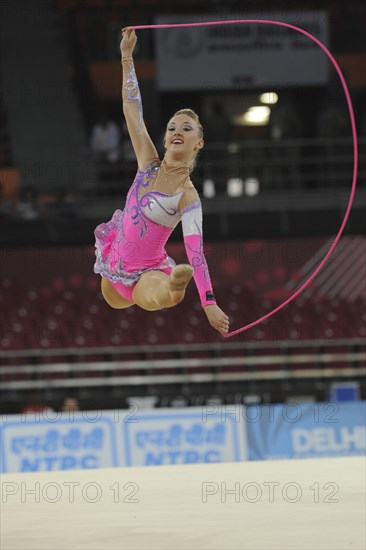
x,y
143,146
191,216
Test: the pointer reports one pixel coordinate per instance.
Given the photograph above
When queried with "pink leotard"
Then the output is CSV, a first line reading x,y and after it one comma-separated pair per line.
x,y
161,196
134,240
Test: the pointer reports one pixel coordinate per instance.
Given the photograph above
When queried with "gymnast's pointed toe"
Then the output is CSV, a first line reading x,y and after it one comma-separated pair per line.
x,y
180,277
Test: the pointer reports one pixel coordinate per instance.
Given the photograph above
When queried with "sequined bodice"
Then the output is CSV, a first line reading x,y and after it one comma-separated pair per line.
x,y
150,215
147,203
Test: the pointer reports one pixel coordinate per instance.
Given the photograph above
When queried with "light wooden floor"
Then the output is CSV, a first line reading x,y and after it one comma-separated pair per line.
x,y
184,507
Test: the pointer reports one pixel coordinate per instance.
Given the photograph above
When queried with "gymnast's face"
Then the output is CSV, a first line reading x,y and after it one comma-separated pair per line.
x,y
182,138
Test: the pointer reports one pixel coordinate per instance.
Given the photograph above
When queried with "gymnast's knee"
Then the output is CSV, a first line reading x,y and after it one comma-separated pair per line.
x,y
111,303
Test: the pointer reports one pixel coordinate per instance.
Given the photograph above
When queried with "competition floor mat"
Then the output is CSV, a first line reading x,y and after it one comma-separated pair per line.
x,y
298,504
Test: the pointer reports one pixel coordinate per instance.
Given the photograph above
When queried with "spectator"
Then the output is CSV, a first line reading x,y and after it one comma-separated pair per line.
x,y
70,404
36,404
105,140
28,207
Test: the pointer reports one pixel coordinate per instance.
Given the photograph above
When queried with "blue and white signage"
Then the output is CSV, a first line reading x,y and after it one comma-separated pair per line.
x,y
104,439
306,430
29,445
186,437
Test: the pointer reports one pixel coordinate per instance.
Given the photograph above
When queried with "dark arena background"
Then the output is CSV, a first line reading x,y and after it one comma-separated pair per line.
x,y
167,432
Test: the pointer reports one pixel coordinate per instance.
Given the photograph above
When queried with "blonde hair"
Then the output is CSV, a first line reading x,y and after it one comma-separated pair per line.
x,y
192,114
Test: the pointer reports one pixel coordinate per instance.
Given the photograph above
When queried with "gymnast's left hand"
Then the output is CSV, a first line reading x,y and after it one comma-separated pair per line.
x,y
217,318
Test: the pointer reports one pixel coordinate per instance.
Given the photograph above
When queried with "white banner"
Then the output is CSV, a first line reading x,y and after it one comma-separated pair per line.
x,y
241,55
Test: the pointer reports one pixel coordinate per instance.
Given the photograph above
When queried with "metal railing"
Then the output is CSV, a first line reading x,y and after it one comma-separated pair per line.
x,y
290,360
292,165
286,164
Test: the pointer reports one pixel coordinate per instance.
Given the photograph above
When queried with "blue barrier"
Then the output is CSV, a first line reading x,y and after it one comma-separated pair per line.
x,y
30,444
92,439
104,439
306,430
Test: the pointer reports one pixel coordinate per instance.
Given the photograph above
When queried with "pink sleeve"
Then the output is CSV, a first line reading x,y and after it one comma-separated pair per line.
x,y
193,242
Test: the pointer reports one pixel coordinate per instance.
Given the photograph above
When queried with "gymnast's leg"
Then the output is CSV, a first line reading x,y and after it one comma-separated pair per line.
x,y
112,297
156,290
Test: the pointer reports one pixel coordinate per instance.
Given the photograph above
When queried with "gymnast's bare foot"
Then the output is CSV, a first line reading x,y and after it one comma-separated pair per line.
x,y
179,278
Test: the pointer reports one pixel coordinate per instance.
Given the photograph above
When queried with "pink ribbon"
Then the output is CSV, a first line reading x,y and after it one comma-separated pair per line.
x,y
354,135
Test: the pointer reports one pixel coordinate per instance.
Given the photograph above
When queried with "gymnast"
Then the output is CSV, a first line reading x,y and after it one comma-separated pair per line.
x,y
130,248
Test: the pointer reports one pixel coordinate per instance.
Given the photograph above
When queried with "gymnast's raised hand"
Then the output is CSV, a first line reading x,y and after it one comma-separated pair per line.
x,y
128,41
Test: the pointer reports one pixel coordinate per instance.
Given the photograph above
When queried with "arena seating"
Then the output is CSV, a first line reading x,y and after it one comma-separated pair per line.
x,y
61,315
61,325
